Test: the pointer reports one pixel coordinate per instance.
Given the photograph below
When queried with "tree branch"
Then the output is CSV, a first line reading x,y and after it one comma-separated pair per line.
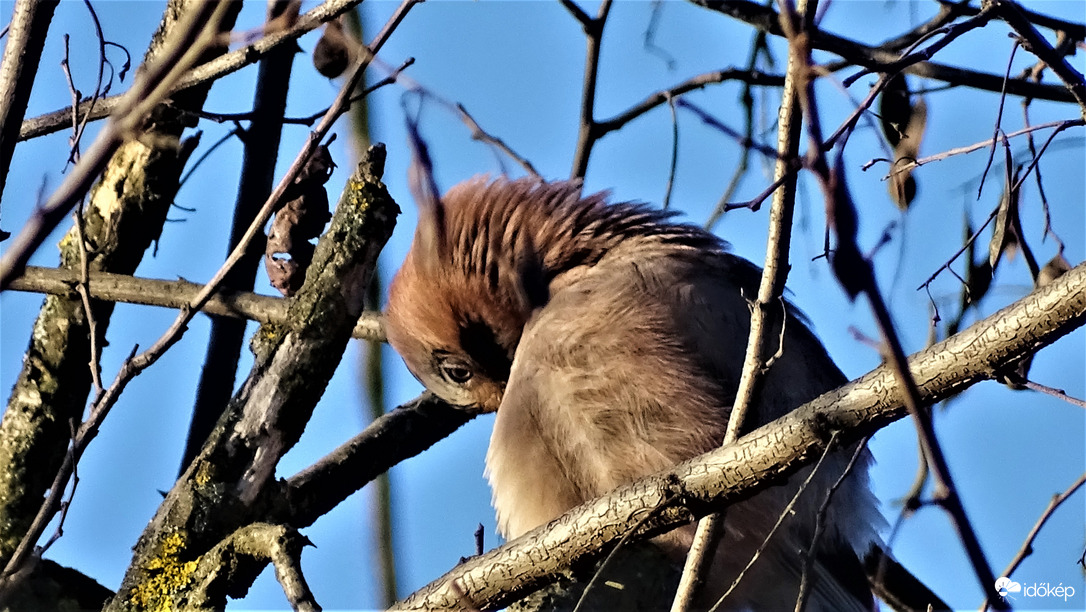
x,y
877,59
394,437
228,485
22,52
203,74
108,287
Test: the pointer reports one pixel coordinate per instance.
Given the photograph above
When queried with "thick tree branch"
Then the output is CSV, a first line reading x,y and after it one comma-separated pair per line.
x,y
242,555
22,52
232,481
762,458
398,435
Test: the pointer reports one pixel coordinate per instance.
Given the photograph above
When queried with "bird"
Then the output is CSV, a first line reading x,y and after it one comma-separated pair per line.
x,y
608,338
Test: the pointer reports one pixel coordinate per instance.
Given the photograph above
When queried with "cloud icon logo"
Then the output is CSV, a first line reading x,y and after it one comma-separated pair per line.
x,y
1005,586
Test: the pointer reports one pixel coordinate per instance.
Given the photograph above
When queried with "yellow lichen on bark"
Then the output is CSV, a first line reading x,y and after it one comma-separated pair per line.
x,y
167,575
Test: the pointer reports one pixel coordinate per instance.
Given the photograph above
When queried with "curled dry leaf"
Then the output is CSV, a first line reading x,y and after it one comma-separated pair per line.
x,y
303,217
1005,233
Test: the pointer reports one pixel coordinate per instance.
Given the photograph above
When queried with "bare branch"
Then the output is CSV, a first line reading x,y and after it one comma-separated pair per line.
x,y
880,60
203,74
176,294
587,134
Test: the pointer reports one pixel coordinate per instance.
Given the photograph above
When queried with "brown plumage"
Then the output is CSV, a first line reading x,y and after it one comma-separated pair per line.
x,y
609,339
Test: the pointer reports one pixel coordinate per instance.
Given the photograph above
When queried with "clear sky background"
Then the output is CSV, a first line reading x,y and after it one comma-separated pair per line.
x,y
517,66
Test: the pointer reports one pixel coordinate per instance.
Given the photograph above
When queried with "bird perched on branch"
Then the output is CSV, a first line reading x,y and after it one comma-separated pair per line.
x,y
609,339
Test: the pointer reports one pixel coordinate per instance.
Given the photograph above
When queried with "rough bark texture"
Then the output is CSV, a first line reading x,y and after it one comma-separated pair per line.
x,y
231,482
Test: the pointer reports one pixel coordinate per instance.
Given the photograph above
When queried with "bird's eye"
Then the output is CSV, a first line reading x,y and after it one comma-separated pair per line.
x,y
456,373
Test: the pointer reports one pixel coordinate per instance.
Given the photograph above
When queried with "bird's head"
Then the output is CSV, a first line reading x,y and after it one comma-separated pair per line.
x,y
488,254
460,301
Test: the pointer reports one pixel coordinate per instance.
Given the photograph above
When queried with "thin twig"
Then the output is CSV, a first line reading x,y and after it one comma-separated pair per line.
x,y
996,130
749,77
478,133
674,153
81,124
73,140
820,523
587,133
83,287
763,315
1054,392
758,47
1059,125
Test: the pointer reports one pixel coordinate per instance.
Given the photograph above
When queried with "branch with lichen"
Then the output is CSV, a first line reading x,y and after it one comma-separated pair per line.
x,y
231,483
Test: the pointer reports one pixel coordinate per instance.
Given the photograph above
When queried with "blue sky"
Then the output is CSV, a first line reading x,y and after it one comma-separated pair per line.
x,y
516,66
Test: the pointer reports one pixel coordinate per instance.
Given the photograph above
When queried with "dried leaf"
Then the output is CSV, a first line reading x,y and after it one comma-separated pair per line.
x,y
1004,236
978,279
332,54
288,251
902,186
